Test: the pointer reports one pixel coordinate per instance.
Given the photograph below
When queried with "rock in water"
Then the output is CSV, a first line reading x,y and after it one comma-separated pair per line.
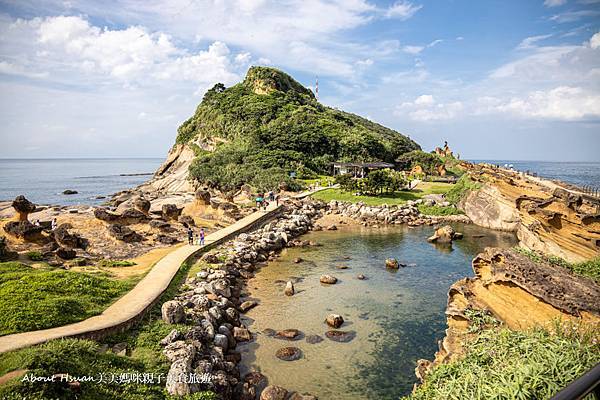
x,y
328,279
334,320
361,277
289,289
272,392
340,336
247,305
289,334
313,339
289,353
241,334
172,312
391,263
444,234
69,191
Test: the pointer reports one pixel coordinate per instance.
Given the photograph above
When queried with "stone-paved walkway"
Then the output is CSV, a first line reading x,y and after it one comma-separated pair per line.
x,y
133,304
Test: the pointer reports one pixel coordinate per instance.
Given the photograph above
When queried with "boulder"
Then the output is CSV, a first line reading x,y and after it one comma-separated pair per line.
x,y
334,320
23,229
172,312
23,207
203,197
104,215
288,334
170,211
313,339
361,277
142,204
288,354
160,225
391,263
273,392
340,336
121,232
328,279
298,260
69,192
332,228
241,334
65,254
247,305
132,216
289,289
444,234
181,355
173,336
67,239
186,220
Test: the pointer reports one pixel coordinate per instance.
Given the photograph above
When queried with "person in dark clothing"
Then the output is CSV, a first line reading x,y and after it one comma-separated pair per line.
x,y
190,233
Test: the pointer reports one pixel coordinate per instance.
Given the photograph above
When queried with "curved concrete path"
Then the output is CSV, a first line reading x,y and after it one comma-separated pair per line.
x,y
127,310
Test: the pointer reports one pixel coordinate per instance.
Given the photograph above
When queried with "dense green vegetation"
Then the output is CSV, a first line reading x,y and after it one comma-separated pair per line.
x,y
462,187
505,364
81,358
375,183
115,263
428,161
590,268
439,210
401,197
39,298
263,137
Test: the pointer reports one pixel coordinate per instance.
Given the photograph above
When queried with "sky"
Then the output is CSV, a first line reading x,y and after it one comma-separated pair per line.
x,y
497,79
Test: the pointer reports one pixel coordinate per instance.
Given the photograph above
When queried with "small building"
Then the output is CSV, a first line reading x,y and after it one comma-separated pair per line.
x,y
358,170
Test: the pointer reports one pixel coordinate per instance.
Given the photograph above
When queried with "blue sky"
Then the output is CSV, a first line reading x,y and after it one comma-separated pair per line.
x,y
497,79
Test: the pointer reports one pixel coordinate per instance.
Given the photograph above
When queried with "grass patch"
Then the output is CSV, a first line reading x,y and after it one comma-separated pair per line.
x,y
80,358
589,269
505,364
462,187
439,210
32,299
35,256
424,188
115,263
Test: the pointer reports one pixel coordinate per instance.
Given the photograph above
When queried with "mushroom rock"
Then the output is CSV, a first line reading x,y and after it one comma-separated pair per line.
x,y
203,197
23,207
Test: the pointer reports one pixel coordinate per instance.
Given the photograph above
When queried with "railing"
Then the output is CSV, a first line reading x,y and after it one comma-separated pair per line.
x,y
579,388
591,191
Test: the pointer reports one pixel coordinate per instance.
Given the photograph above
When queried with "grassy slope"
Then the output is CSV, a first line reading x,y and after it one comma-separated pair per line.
x,y
504,364
41,298
423,189
81,358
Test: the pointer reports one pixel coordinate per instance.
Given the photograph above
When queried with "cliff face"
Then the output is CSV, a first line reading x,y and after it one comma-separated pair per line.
x,y
544,217
519,293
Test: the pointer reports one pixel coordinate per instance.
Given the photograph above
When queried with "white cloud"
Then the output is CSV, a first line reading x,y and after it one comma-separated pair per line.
x,y
460,38
529,42
571,16
425,108
402,10
435,42
554,3
561,103
595,41
412,49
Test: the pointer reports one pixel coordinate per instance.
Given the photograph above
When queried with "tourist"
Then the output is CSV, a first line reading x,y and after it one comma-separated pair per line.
x,y
265,203
37,222
190,233
277,200
201,239
259,200
271,196
53,226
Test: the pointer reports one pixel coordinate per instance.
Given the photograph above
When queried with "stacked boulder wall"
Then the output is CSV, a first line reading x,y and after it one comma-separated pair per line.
x,y
518,292
552,222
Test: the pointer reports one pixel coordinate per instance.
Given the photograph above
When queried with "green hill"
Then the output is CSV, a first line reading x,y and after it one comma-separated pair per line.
x,y
259,130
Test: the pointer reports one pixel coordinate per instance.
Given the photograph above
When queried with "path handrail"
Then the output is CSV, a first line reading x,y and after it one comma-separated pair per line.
x,y
581,387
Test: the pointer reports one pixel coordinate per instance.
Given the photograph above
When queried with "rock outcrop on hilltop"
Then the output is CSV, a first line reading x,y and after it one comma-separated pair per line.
x,y
545,217
262,128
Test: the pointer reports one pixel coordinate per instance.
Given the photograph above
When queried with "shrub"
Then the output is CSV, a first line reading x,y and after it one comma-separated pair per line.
x,y
115,263
462,187
439,210
428,161
35,256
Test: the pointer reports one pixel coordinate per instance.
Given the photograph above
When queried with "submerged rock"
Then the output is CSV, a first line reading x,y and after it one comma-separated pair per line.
x,y
247,305
391,263
272,392
288,334
289,354
314,339
328,279
340,336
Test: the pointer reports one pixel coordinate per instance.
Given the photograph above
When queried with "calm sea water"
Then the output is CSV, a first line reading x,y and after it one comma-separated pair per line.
x,y
43,180
576,173
398,316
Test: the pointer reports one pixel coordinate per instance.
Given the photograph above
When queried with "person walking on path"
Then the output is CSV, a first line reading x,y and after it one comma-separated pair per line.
x,y
271,196
259,200
190,233
53,226
201,237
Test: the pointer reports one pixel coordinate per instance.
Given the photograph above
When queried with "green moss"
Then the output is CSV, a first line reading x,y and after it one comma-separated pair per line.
x,y
35,256
115,263
505,364
32,299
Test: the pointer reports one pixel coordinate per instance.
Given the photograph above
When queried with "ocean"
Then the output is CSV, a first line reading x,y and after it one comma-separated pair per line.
x,y
576,173
43,181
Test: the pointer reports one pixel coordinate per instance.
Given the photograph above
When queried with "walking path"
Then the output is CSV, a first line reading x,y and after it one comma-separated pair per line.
x,y
128,309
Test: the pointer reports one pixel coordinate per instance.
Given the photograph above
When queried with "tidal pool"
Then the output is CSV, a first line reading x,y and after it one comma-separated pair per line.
x,y
398,316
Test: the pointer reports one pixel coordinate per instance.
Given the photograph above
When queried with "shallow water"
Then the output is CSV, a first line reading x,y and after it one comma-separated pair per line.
x,y
398,316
